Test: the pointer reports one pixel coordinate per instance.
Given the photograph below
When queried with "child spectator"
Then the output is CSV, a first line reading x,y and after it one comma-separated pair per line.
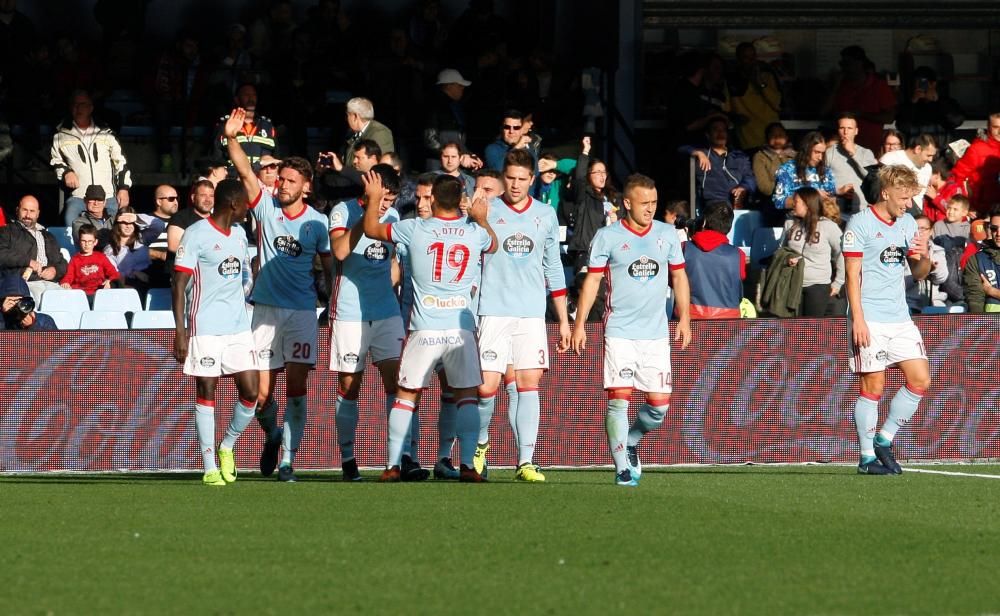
x,y
956,220
89,270
952,235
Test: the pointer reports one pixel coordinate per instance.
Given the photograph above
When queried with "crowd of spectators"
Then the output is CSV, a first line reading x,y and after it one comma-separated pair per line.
x,y
455,99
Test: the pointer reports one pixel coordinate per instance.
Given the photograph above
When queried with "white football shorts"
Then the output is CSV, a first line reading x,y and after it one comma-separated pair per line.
x,y
520,341
454,350
890,343
638,364
219,355
352,341
284,335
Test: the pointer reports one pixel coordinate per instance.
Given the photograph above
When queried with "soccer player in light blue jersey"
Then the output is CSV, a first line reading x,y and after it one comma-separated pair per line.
x,y
877,244
512,324
212,336
289,235
635,254
442,251
364,317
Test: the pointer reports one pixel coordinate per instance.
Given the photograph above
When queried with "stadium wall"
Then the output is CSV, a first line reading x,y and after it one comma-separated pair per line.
x,y
755,390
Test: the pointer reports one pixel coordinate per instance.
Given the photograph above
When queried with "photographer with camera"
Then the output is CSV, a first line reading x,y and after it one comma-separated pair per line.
x,y
18,307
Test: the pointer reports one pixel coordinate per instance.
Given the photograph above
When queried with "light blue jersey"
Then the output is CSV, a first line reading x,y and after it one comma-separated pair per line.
x,y
362,286
442,254
636,268
286,249
883,247
527,261
215,258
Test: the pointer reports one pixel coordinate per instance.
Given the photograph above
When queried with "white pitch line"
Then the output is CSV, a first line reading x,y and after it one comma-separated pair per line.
x,y
910,469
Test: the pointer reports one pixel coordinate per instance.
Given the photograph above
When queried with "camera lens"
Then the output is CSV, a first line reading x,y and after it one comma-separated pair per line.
x,y
25,305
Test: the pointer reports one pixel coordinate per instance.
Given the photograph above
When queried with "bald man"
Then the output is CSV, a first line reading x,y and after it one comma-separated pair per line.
x,y
153,232
28,250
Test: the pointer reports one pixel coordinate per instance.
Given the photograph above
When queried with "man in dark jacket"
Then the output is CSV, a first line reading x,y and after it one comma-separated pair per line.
x,y
723,174
715,268
446,120
25,245
512,136
981,277
18,308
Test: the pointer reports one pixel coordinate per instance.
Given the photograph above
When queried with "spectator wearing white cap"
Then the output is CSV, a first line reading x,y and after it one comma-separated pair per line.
x,y
446,121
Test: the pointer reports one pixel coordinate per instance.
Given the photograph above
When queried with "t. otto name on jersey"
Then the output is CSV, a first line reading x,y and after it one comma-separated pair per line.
x,y
643,268
518,245
231,267
287,245
376,251
444,303
892,255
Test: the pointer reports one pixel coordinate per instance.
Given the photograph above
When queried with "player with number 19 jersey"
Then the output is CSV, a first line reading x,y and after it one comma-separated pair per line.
x,y
442,254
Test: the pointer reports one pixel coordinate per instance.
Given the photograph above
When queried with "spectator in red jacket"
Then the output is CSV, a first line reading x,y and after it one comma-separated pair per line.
x,y
89,270
978,169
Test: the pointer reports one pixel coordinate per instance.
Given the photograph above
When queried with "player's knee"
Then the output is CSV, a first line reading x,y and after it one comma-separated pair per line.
x,y
919,385
617,406
485,392
657,414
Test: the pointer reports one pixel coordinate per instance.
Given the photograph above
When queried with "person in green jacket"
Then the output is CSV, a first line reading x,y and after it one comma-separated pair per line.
x,y
551,182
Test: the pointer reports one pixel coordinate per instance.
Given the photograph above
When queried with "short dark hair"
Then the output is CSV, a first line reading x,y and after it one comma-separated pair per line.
x,y
427,179
519,158
744,45
677,206
994,212
924,72
846,115
202,184
390,179
714,121
773,126
513,114
87,228
718,216
297,163
489,173
228,192
369,146
922,140
447,191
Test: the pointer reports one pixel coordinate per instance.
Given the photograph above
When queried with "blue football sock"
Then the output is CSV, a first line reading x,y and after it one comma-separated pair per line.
x,y
486,406
904,404
204,424
468,429
243,412
446,425
526,426
346,418
616,425
647,419
866,420
399,424
295,427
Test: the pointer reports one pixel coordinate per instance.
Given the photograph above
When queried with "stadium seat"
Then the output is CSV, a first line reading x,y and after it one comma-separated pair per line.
x,y
745,225
64,299
153,319
65,254
764,244
103,319
65,319
158,299
117,300
64,238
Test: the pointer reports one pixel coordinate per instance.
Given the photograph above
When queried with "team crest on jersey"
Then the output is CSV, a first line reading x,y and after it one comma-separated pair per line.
x,y
287,245
538,222
230,267
893,255
376,252
643,269
659,244
849,239
518,245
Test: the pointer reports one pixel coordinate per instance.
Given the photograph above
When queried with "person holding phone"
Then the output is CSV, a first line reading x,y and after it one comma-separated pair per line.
x,y
928,109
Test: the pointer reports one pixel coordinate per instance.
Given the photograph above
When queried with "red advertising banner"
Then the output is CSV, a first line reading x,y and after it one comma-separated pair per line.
x,y
756,390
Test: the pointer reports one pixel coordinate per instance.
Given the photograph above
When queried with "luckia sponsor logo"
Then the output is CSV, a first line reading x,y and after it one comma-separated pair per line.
x,y
444,303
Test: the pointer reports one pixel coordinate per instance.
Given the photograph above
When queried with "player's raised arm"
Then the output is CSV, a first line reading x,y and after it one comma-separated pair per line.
x,y
478,213
236,154
682,305
588,293
374,191
342,239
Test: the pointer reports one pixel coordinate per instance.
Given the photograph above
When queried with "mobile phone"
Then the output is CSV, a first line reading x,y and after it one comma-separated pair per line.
x,y
923,84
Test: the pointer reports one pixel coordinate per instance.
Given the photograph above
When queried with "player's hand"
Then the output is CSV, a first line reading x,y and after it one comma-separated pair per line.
x,y
919,245
234,124
180,347
683,333
860,334
565,338
480,209
579,340
71,181
374,190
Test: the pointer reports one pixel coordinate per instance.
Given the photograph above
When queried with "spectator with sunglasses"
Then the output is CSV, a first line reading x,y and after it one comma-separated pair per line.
x,y
513,136
267,173
981,277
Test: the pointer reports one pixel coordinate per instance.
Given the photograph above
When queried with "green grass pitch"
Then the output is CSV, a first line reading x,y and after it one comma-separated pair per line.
x,y
703,540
